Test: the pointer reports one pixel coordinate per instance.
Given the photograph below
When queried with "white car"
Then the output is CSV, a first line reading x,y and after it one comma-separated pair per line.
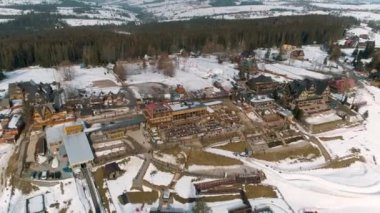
x,y
44,175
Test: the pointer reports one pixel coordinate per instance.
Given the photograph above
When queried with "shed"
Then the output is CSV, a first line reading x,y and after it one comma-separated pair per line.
x,y
112,171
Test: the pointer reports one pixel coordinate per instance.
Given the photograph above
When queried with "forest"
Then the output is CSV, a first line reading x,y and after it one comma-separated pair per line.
x,y
100,45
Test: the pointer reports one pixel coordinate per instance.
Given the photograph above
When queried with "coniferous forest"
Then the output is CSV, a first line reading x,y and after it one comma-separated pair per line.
x,y
100,45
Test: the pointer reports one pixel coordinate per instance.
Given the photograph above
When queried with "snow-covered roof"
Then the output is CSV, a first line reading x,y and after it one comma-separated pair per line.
x,y
54,134
212,103
14,121
78,148
187,105
261,98
36,204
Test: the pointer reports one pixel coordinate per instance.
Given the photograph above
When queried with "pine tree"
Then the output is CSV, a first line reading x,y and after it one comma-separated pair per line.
x,y
201,207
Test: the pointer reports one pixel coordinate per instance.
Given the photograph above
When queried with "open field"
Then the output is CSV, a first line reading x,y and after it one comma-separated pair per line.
x,y
331,138
142,197
234,147
196,157
257,191
99,183
307,151
344,163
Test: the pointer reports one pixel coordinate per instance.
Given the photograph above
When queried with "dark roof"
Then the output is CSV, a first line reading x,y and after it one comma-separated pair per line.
x,y
260,79
166,210
41,109
295,88
86,111
375,75
138,119
43,91
112,167
41,146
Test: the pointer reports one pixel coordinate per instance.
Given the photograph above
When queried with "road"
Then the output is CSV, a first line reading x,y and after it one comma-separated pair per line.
x,y
138,180
92,188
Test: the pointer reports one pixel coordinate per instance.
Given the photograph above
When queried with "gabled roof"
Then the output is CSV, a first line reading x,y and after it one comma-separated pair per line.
x,y
295,88
260,79
111,167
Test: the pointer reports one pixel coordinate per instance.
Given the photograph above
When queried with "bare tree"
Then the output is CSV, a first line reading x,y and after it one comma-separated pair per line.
x,y
71,92
120,71
166,65
66,70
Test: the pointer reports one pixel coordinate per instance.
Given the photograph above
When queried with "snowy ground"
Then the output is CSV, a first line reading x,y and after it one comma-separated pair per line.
x,y
192,73
317,190
82,78
157,177
291,72
124,183
71,198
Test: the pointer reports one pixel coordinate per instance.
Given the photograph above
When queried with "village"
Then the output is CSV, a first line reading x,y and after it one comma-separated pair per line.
x,y
213,128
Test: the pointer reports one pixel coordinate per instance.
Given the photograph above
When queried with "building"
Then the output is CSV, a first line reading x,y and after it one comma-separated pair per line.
x,y
69,139
310,96
297,54
262,84
342,85
46,115
272,119
288,48
37,93
112,171
11,128
187,110
262,101
118,129
158,114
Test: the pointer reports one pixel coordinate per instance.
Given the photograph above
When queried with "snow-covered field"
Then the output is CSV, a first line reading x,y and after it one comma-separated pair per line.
x,y
348,6
83,78
193,74
292,72
91,22
157,177
72,198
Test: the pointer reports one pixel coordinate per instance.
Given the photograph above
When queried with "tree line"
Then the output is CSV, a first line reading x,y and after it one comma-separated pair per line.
x,y
100,45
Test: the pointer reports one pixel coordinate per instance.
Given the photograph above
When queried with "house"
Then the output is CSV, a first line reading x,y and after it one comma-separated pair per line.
x,y
248,65
37,93
11,128
288,48
262,101
310,96
112,171
271,118
46,115
297,54
262,84
342,85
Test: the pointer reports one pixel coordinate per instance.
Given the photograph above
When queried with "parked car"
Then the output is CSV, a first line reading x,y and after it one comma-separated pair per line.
x,y
34,175
39,175
44,175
